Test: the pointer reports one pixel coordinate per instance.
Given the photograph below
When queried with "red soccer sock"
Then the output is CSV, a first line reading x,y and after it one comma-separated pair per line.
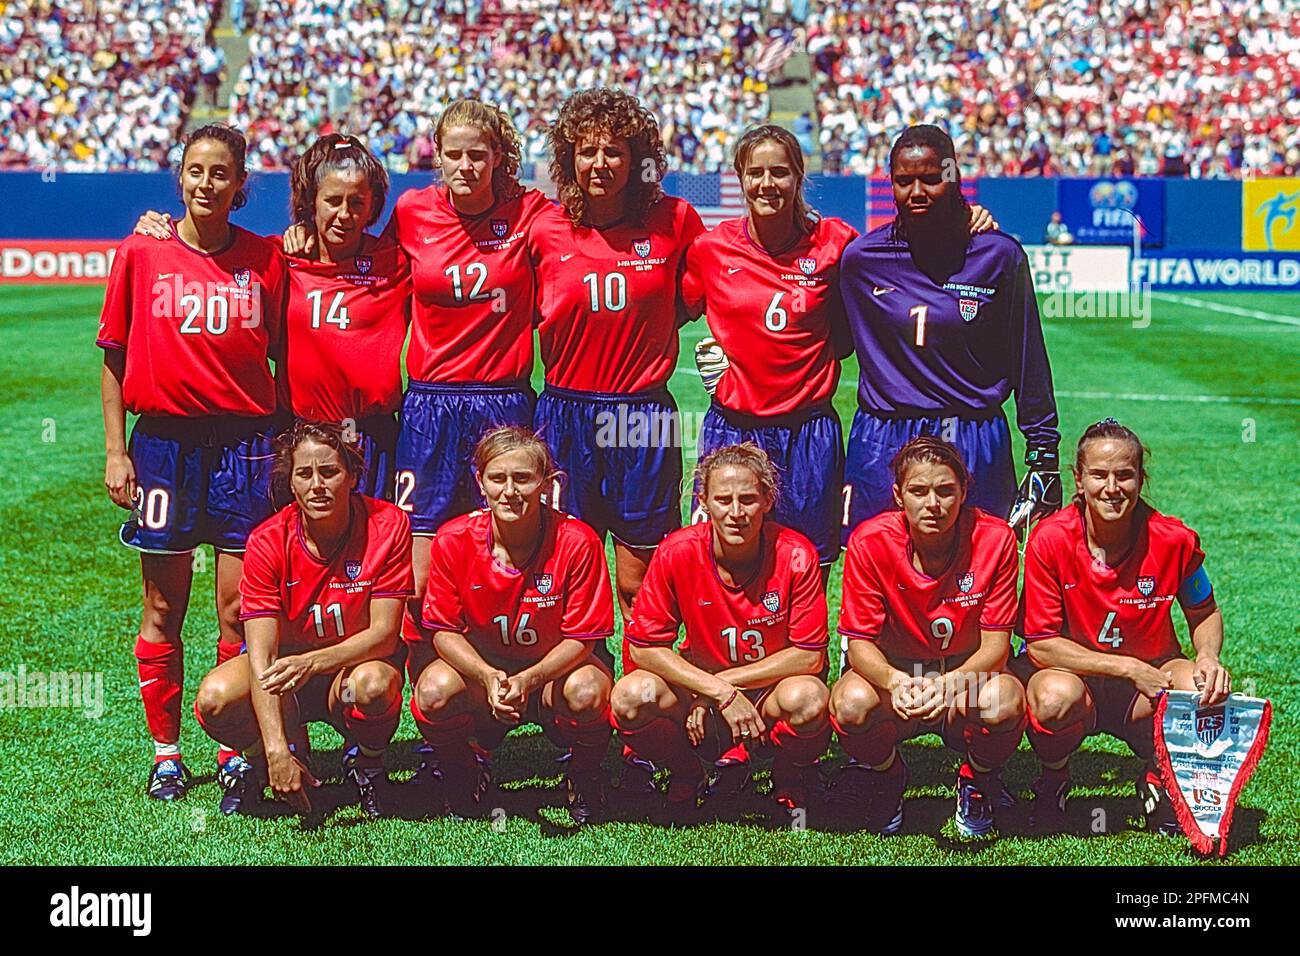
x,y
665,743
796,749
372,732
870,747
450,736
1054,747
588,740
162,680
226,651
990,748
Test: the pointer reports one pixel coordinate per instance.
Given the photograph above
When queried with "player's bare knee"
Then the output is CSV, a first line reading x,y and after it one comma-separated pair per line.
x,y
1182,671
852,702
634,699
1055,701
214,697
805,699
585,692
375,683
435,691
1002,701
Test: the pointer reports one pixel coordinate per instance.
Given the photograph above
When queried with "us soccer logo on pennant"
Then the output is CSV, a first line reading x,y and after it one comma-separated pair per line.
x,y
243,277
1146,584
352,569
543,582
807,266
969,309
500,227
641,247
772,601
364,264
1209,726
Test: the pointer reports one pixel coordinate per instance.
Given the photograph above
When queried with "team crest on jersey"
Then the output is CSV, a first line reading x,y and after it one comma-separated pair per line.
x,y
352,569
1209,725
772,601
807,265
1146,584
500,227
966,581
543,582
969,308
364,263
641,247
243,277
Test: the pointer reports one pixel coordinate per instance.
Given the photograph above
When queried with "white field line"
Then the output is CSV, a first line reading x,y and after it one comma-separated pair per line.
x,y
1227,309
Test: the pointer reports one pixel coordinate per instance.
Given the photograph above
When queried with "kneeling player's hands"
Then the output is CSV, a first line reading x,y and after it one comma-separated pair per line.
x,y
741,716
288,674
155,225
119,479
1212,680
497,686
1150,681
288,778
695,721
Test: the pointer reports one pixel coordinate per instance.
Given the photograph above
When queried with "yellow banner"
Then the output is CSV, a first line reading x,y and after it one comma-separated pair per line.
x,y
1270,215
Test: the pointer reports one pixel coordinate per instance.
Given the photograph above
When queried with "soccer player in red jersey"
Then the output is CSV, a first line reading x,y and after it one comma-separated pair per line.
x,y
769,283
749,593
608,260
519,603
187,327
1101,578
325,581
348,303
929,605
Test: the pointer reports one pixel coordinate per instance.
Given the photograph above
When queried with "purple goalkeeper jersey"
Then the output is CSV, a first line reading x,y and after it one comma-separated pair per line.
x,y
956,346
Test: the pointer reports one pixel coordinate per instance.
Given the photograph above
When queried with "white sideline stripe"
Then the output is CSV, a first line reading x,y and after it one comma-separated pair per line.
x,y
1227,309
1200,399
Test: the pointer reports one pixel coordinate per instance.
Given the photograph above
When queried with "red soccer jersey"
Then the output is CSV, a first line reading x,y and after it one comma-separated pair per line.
x,y
914,617
778,318
197,328
474,287
781,606
321,602
608,304
344,328
1124,609
515,616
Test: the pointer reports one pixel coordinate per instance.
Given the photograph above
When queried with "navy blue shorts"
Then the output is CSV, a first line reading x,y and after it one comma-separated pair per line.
x,y
199,481
808,452
622,458
377,441
985,446
440,425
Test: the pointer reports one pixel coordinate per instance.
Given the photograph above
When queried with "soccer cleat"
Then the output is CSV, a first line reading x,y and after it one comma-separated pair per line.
x,y
429,773
975,811
168,780
797,788
681,805
872,798
1047,813
638,778
239,784
1158,811
370,778
585,797
729,779
463,787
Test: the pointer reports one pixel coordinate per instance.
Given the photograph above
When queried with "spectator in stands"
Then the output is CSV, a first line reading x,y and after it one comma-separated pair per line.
x,y
1057,232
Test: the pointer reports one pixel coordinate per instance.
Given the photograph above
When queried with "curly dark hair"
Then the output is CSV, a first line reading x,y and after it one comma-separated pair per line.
x,y
614,113
331,152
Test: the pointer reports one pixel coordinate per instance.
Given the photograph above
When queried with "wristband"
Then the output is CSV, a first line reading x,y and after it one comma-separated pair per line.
x,y
727,704
1042,458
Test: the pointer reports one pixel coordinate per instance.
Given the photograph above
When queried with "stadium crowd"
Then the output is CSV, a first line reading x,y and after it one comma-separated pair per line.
x,y
96,85
1206,88
385,71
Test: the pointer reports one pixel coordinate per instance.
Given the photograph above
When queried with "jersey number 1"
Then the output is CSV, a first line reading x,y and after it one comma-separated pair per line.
x,y
919,312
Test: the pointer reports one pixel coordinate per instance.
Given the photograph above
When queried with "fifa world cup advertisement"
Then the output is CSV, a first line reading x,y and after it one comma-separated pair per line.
x,y
1270,215
1102,211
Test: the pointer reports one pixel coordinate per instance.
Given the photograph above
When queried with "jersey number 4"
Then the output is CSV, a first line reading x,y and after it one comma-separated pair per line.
x,y
1110,635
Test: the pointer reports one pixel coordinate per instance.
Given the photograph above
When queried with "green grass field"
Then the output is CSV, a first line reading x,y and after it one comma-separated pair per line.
x,y
1214,393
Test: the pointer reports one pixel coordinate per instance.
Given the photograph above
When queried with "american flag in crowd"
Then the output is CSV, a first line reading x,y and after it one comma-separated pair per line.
x,y
715,196
880,198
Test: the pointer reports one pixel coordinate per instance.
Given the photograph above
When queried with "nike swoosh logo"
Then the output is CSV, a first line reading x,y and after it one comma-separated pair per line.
x,y
876,290
566,257
1068,586
732,271
151,680
165,275
290,584
429,239
476,587
704,603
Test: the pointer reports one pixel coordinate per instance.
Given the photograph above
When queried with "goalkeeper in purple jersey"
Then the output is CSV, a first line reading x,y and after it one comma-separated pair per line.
x,y
945,325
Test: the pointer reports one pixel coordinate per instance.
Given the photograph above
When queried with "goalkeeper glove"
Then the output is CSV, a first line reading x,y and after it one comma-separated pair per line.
x,y
711,361
1040,491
